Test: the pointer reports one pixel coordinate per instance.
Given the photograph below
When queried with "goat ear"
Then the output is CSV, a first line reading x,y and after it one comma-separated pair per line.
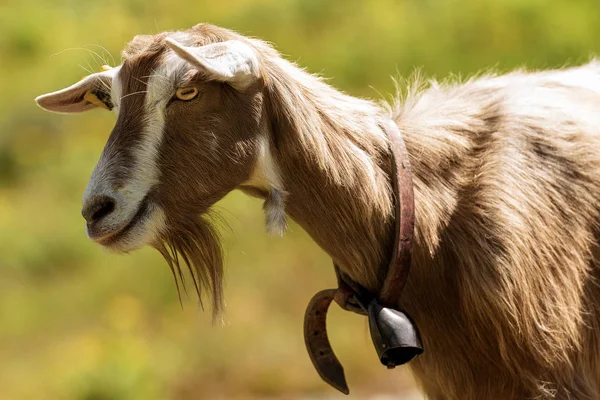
x,y
90,92
232,61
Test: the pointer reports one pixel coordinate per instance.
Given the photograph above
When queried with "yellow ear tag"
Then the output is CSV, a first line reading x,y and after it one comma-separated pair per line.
x,y
92,98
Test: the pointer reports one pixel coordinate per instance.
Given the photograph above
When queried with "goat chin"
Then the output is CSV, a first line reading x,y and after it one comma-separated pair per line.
x,y
195,245
135,232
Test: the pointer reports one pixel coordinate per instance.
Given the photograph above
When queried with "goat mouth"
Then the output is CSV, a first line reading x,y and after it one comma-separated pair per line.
x,y
114,236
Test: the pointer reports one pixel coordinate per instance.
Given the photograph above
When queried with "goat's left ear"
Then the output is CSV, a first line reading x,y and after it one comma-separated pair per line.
x,y
232,61
93,91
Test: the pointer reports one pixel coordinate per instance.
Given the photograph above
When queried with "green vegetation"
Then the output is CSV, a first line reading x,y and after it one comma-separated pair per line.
x,y
79,323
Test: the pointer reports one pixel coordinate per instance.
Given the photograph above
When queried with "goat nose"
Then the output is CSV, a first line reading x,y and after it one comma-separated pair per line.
x,y
97,208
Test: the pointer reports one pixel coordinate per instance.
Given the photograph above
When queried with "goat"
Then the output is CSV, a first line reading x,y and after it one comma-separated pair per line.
x,y
506,178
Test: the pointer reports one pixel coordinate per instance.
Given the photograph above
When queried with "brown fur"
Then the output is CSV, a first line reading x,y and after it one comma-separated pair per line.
x,y
506,178
503,283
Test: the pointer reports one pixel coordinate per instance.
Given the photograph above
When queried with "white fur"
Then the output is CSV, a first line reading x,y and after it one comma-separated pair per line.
x,y
266,177
231,61
145,232
266,173
116,90
145,174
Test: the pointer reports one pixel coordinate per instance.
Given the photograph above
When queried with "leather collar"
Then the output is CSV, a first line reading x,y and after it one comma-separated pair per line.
x,y
390,327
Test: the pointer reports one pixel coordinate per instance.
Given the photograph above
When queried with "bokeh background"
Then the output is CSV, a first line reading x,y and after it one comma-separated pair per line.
x,y
79,323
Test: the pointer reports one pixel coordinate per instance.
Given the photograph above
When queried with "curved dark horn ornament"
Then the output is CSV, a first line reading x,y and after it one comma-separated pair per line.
x,y
317,342
394,334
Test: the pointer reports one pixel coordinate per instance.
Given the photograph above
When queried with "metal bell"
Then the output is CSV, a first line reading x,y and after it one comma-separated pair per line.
x,y
394,334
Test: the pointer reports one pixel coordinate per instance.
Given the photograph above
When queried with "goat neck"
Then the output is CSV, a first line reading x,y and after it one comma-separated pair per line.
x,y
333,165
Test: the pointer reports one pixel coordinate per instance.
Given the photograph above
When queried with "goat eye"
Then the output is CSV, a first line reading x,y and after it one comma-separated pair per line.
x,y
187,93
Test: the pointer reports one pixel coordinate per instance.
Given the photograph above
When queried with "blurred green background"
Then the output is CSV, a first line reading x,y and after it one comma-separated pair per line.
x,y
79,323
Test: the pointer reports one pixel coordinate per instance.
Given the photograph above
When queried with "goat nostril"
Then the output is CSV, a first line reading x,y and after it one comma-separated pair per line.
x,y
98,209
103,210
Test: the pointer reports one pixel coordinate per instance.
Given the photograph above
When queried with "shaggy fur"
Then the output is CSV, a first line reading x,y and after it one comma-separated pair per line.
x,y
507,180
507,186
196,244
